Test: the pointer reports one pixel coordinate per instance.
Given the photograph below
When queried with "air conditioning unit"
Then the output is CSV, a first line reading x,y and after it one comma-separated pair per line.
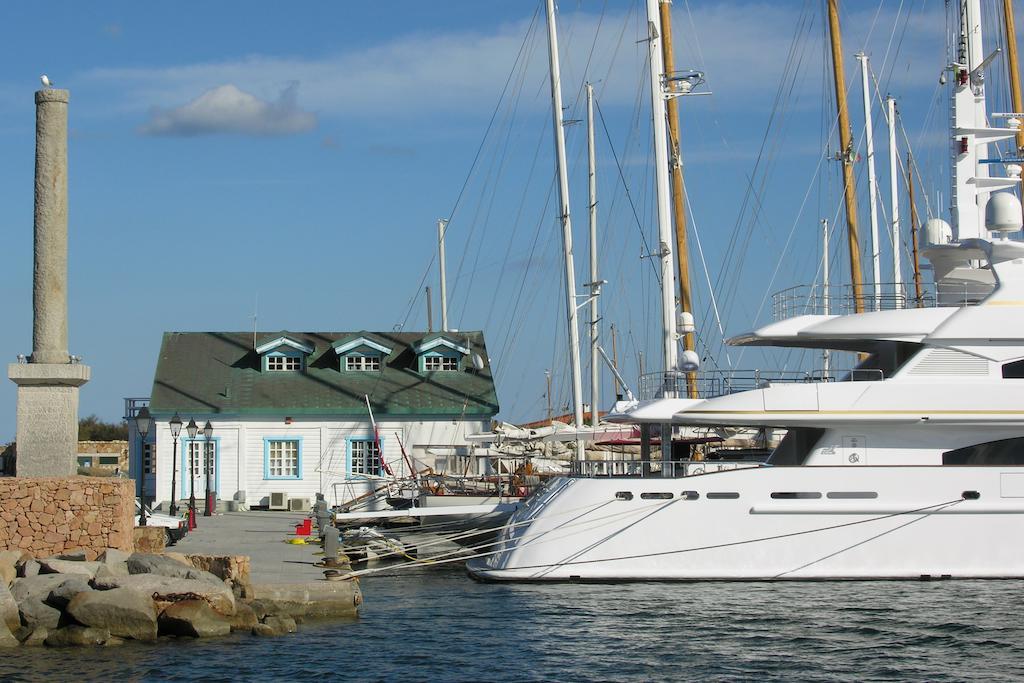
x,y
299,504
278,501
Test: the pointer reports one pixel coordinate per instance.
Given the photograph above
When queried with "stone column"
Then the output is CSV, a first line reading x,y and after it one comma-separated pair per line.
x,y
48,383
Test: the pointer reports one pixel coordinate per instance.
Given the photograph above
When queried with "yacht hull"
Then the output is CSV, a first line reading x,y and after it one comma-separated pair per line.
x,y
862,522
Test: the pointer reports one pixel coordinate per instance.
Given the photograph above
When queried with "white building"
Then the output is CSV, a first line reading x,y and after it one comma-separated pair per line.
x,y
289,412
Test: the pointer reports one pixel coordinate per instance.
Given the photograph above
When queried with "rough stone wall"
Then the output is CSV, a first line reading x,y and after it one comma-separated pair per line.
x,y
94,449
50,515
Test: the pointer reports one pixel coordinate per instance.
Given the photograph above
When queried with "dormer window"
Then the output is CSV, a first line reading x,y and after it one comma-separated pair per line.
x,y
433,363
366,363
440,353
362,353
283,363
284,354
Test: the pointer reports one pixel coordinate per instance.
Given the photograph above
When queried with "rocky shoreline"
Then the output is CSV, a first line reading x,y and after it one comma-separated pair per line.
x,y
67,600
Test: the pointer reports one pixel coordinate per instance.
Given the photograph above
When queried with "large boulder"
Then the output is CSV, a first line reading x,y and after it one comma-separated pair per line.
x,y
166,589
244,618
77,635
8,609
59,566
149,539
113,562
36,587
161,565
7,638
60,596
28,567
194,618
275,626
9,560
76,555
125,612
235,570
112,555
32,637
36,613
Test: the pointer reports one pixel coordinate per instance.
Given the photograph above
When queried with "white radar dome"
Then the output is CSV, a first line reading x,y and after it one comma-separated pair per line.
x,y
937,231
689,361
685,322
1002,213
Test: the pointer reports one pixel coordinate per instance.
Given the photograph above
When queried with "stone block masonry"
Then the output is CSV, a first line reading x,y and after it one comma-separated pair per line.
x,y
50,515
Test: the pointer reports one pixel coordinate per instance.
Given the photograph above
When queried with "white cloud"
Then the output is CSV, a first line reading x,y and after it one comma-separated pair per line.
x,y
742,46
228,109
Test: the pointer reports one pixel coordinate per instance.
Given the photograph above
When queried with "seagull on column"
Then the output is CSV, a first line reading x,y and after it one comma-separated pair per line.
x,y
45,80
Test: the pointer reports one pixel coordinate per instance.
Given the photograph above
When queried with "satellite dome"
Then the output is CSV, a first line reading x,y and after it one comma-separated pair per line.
x,y
689,361
1002,213
937,231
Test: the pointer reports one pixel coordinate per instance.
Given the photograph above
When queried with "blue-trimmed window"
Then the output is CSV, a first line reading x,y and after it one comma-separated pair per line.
x,y
364,457
362,362
282,458
435,361
277,361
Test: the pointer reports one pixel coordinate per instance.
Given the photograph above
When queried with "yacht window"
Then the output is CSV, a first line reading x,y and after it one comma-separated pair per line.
x,y
992,454
851,495
656,496
689,495
722,495
1014,370
623,495
795,495
795,447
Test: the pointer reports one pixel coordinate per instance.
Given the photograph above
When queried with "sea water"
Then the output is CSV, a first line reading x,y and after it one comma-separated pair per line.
x,y
437,624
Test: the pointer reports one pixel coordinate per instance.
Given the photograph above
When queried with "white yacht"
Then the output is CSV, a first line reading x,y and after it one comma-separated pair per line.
x,y
913,467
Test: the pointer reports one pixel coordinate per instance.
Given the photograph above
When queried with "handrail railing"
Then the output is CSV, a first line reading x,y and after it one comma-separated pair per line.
x,y
654,385
818,299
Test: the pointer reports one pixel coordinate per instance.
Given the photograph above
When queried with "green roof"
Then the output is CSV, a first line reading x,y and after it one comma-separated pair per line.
x,y
201,373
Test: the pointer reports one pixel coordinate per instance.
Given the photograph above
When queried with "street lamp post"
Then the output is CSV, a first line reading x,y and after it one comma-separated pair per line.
x,y
211,496
175,431
192,428
143,421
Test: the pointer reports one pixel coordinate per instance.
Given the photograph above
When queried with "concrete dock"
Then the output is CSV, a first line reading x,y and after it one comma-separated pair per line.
x,y
260,535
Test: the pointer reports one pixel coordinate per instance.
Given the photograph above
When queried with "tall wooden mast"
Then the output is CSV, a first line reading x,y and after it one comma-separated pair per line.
x,y
847,155
678,190
1011,59
913,230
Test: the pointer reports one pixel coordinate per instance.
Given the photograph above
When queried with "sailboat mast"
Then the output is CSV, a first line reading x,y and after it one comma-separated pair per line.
x,y
869,137
894,200
668,275
1011,59
594,284
825,354
665,239
846,155
913,229
678,189
563,209
442,226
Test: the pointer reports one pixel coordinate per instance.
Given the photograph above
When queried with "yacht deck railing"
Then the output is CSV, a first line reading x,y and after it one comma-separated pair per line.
x,y
656,385
818,299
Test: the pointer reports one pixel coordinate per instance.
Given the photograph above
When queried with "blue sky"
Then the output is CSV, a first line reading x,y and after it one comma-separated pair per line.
x,y
233,157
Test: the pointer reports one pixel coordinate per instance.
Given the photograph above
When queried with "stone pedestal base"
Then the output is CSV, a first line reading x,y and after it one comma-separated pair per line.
x,y
47,417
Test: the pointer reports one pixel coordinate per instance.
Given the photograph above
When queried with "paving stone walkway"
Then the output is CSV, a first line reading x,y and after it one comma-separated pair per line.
x,y
261,536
